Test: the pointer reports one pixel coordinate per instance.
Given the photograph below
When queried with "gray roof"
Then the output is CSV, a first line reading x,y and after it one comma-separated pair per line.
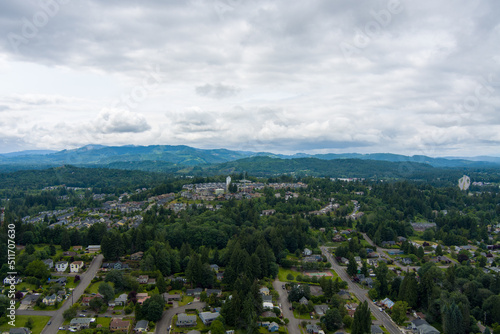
x,y
81,321
141,324
376,330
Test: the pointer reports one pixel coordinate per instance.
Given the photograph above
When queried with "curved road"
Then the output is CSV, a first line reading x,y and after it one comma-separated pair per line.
x,y
361,294
166,319
57,316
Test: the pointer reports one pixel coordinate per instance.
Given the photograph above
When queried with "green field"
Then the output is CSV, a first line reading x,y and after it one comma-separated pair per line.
x,y
185,300
284,272
38,321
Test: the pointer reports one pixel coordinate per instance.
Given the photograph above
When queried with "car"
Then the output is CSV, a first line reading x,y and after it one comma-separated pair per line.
x,y
290,308
61,328
283,286
189,303
84,310
381,309
72,329
50,321
82,315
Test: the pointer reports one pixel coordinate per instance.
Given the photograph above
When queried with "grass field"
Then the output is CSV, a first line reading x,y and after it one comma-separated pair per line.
x,y
94,287
282,273
304,316
185,300
38,321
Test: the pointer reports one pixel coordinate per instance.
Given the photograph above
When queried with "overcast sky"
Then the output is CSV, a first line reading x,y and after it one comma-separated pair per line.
x,y
419,77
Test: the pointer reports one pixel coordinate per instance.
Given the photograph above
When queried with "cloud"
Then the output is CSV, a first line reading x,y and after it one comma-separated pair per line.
x,y
120,121
217,91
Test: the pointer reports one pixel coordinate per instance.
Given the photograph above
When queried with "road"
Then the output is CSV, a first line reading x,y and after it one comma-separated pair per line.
x,y
293,325
57,316
361,295
166,319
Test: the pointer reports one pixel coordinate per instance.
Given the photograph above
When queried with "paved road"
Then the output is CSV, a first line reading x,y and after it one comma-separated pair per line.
x,y
361,295
166,319
293,325
57,316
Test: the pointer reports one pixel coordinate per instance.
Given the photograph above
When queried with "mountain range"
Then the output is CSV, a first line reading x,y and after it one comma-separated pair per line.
x,y
185,159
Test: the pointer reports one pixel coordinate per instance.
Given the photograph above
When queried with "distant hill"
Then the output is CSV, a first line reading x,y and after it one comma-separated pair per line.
x,y
167,158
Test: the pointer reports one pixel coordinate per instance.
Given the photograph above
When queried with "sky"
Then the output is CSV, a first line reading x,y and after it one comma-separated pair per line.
x,y
316,76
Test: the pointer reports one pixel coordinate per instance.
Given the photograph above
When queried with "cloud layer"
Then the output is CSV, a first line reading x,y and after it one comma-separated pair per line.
x,y
318,76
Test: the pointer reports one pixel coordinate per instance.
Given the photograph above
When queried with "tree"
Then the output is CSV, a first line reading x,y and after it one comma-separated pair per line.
x,y
70,313
347,320
439,250
290,277
152,308
96,303
352,267
217,327
29,323
38,269
408,290
492,306
332,319
452,320
362,321
399,312
107,291
65,241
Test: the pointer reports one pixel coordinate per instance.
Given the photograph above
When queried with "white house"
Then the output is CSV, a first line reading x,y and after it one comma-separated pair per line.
x,y
61,266
76,266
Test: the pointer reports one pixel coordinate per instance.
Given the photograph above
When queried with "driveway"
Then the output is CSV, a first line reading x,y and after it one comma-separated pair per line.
x,y
166,319
293,325
57,316
361,294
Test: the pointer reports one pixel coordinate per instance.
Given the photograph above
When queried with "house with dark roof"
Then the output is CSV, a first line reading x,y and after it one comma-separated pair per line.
x,y
376,329
194,292
141,326
118,324
321,309
184,320
208,317
422,327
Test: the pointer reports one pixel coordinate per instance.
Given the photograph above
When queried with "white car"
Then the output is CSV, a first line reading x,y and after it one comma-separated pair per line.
x,y
72,329
61,328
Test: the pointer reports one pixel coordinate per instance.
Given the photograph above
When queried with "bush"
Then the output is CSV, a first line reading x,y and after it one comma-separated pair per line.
x,y
290,277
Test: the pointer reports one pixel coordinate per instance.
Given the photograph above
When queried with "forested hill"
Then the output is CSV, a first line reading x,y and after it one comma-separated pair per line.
x,y
266,166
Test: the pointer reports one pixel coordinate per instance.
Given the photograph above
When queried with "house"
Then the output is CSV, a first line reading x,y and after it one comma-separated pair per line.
x,y
61,266
214,267
61,280
422,327
184,320
267,305
30,299
194,292
137,256
303,301
69,253
93,248
120,301
264,291
344,294
273,327
208,317
142,297
143,279
20,330
220,276
406,261
76,266
12,280
51,300
81,323
268,212
215,292
118,324
86,299
307,252
387,303
376,330
77,248
313,329
321,309
49,263
151,281
343,260
268,299
141,326
388,243
338,238
169,298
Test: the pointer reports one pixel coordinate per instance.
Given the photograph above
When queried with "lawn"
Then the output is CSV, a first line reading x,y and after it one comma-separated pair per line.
x,y
38,321
94,287
103,321
185,300
304,316
71,283
282,273
25,286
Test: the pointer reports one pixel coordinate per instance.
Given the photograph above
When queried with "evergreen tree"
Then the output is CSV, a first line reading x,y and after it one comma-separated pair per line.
x,y
362,322
408,290
352,267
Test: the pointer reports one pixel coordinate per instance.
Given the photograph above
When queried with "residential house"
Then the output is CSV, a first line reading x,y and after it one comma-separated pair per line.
x,y
307,252
12,280
184,320
208,317
49,263
143,279
137,256
214,267
267,305
86,299
313,329
120,301
344,294
268,212
215,292
406,261
20,330
169,298
142,297
141,326
267,299
321,309
273,327
343,260
220,276
422,327
77,248
388,243
338,238
376,329
303,301
118,324
264,291
51,300
93,248
387,303
194,292
61,266
76,266
151,281
69,253
81,323
30,299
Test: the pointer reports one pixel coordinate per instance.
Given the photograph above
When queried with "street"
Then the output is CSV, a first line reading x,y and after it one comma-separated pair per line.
x,y
166,319
57,316
293,325
361,295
